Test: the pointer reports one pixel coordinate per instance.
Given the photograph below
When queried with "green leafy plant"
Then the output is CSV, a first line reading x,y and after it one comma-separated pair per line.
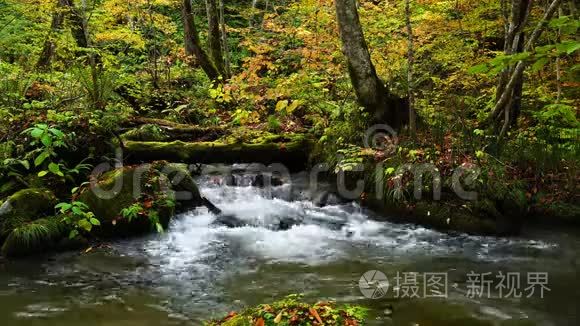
x,y
78,216
48,139
137,209
132,212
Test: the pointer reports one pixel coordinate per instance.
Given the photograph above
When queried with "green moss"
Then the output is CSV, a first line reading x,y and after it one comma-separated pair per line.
x,y
34,237
25,206
146,184
292,151
147,132
32,202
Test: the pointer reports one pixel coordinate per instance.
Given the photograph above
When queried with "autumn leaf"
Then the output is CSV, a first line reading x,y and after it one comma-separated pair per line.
x,y
148,204
314,313
259,322
278,318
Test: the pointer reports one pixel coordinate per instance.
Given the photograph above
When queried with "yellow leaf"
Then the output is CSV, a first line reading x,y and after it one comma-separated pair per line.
x,y
278,318
281,105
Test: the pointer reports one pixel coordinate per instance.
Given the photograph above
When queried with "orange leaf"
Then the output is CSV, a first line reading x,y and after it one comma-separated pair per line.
x,y
314,313
148,204
259,322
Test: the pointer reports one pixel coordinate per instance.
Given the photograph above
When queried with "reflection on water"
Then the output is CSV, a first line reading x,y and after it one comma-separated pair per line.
x,y
198,270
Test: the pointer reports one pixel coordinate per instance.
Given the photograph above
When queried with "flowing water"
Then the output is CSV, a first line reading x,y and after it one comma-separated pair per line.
x,y
199,269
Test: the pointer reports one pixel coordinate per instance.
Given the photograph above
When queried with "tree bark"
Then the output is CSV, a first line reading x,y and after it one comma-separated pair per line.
x,y
370,90
78,24
516,74
214,36
49,48
410,62
224,34
192,43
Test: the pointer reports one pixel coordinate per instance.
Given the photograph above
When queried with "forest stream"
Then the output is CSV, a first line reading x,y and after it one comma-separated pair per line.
x,y
198,270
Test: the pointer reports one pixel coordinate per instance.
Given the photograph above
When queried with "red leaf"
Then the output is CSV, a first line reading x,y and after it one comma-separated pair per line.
x,y
259,322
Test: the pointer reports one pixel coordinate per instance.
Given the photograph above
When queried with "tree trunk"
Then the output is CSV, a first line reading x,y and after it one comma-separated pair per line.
x,y
45,59
410,62
78,24
515,24
192,43
369,89
506,99
214,36
226,49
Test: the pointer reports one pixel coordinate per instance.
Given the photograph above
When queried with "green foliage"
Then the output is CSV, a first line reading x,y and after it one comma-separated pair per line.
x,y
132,212
291,311
47,140
78,217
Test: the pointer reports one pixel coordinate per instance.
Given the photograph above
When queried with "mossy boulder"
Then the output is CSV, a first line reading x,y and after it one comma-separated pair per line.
x,y
34,237
25,206
160,189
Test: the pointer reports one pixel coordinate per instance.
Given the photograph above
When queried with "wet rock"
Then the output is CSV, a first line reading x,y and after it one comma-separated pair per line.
x,y
264,180
287,223
229,221
327,198
230,180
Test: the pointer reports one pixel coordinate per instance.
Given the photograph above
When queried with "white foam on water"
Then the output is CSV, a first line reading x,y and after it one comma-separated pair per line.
x,y
325,234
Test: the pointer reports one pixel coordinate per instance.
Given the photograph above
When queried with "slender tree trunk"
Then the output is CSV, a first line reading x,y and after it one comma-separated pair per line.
x,y
214,36
78,24
515,24
370,90
224,34
49,47
254,15
410,63
192,43
558,66
506,98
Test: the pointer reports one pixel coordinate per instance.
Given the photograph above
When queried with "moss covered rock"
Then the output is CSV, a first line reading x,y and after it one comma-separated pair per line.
x,y
25,206
480,217
131,200
35,237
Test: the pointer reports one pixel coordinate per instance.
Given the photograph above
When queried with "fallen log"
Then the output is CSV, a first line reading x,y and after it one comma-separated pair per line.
x,y
290,150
